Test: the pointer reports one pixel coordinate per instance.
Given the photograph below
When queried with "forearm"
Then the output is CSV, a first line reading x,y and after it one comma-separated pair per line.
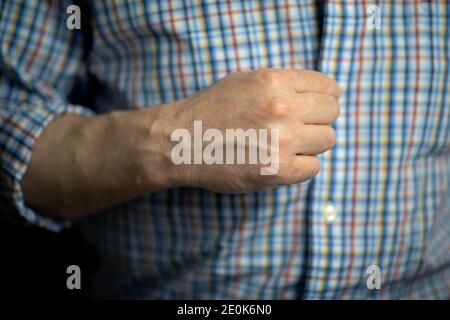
x,y
81,165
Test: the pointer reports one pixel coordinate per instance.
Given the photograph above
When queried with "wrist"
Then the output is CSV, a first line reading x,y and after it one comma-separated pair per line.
x,y
152,148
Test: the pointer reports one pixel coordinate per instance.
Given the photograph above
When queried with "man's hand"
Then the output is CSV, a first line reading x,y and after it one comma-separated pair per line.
x,y
300,104
79,166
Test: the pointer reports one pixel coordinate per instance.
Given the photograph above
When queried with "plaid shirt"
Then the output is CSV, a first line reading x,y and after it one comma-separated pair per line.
x,y
382,197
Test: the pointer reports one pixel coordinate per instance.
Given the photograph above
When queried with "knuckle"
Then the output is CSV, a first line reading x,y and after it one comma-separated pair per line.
x,y
332,103
277,106
271,77
305,169
310,168
315,167
329,137
336,109
332,87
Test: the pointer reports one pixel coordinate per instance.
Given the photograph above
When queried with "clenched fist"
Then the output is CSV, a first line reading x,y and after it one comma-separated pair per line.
x,y
301,105
113,157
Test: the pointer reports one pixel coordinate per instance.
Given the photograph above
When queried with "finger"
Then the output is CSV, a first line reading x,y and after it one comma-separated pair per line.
x,y
316,108
314,139
314,81
301,168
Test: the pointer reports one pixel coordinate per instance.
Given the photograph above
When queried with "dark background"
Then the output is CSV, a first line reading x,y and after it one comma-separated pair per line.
x,y
34,261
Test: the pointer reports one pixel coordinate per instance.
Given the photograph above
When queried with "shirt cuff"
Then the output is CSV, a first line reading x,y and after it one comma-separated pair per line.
x,y
20,128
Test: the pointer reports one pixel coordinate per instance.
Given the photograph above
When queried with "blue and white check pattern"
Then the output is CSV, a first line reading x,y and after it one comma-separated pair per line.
x,y
387,179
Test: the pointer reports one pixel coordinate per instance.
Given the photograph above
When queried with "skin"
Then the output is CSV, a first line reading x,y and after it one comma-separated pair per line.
x,y
82,165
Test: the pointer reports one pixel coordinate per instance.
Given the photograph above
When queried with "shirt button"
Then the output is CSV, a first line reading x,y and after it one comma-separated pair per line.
x,y
329,212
